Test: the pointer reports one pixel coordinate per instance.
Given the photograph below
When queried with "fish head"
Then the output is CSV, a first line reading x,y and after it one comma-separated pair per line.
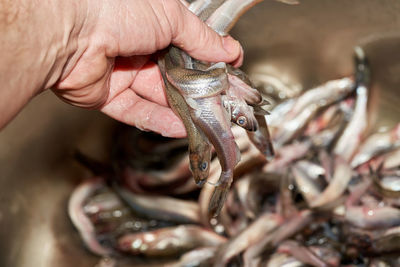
x,y
243,115
200,158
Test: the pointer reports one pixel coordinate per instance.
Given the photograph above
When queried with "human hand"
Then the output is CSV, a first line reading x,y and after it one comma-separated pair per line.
x,y
111,70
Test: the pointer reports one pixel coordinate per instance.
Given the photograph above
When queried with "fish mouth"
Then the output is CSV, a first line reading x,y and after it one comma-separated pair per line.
x,y
252,127
201,182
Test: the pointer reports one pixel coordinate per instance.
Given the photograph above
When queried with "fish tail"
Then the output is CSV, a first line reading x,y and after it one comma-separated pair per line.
x,y
220,193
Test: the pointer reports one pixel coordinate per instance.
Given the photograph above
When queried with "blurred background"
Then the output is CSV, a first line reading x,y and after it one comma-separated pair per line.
x,y
293,46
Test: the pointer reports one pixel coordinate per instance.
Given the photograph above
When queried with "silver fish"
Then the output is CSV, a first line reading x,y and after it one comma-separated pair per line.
x,y
169,241
352,135
376,144
161,207
261,226
80,219
337,185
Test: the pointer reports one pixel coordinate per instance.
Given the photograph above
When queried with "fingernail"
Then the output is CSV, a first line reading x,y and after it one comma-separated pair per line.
x,y
231,46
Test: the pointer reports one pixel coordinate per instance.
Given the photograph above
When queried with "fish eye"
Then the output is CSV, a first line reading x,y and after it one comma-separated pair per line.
x,y
203,166
242,121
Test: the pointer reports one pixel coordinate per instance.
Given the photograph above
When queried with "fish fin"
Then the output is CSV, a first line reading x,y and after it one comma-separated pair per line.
x,y
264,102
261,112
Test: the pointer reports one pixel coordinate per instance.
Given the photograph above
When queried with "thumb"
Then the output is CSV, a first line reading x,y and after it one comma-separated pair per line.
x,y
200,41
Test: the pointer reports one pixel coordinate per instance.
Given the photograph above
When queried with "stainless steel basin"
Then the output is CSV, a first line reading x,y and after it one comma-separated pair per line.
x,y
301,46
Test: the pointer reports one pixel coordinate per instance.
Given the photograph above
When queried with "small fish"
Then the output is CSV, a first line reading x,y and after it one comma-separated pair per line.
x,y
337,185
352,135
81,221
261,138
388,186
264,224
307,185
161,207
301,253
272,239
199,257
199,147
376,144
392,159
169,241
373,218
308,105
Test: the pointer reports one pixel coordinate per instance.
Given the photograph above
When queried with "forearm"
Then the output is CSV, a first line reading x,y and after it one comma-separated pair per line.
x,y
37,39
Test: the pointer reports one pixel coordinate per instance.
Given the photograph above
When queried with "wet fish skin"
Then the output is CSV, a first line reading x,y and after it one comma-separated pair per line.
x,y
261,138
352,135
194,83
169,241
305,184
206,109
254,232
161,208
308,105
80,219
226,16
337,185
200,257
244,88
376,144
388,186
199,147
205,8
302,253
322,95
373,218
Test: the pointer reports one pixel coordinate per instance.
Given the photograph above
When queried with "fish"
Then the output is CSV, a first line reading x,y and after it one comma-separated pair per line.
x,y
81,221
322,95
308,105
388,186
336,187
272,239
278,259
199,147
286,155
161,207
350,139
240,113
199,257
261,138
376,144
301,253
264,224
392,159
306,184
373,218
169,241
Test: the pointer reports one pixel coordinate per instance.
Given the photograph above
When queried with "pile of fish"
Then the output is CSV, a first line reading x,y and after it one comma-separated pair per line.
x,y
328,197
